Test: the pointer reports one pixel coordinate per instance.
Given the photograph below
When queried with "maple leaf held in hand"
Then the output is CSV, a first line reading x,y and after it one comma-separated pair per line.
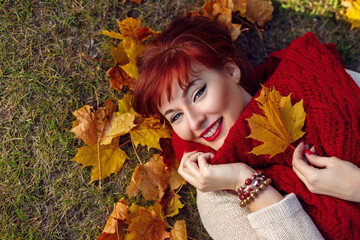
x,y
281,124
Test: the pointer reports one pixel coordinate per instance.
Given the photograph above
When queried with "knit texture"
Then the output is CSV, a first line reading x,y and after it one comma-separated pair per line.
x,y
310,71
224,219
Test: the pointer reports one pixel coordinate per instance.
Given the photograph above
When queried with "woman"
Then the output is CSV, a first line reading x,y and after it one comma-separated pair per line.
x,y
193,77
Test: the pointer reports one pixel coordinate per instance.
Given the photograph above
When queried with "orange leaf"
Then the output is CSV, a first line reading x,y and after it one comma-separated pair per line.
x,y
281,124
222,10
179,231
91,124
259,11
131,28
147,226
150,178
120,212
119,78
135,1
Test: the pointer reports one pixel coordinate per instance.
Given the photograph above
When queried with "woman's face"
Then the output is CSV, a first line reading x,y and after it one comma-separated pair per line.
x,y
205,111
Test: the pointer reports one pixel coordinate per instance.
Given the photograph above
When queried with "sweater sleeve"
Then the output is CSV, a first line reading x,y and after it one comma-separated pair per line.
x,y
284,220
223,218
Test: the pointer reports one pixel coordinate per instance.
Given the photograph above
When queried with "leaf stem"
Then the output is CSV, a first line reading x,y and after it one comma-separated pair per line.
x,y
100,60
135,150
99,161
254,27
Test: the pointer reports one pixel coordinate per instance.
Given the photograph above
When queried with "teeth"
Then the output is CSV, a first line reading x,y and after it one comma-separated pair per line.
x,y
212,130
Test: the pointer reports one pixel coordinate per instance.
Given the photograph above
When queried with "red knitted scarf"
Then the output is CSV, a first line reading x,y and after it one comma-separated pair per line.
x,y
313,72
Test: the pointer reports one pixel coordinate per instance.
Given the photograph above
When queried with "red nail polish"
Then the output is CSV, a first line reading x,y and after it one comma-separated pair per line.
x,y
308,152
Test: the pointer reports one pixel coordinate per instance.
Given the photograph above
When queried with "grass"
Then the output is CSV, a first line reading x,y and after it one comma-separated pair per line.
x,y
43,79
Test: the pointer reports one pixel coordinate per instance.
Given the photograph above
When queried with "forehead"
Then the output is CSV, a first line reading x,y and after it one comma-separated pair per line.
x,y
179,85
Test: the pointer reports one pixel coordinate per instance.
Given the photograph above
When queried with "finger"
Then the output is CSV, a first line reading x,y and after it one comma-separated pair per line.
x,y
313,149
203,159
302,177
298,152
316,160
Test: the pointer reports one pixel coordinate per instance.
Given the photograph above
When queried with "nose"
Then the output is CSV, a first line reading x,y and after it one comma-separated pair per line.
x,y
195,119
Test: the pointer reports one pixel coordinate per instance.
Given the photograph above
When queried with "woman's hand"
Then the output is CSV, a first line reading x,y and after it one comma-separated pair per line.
x,y
327,175
195,169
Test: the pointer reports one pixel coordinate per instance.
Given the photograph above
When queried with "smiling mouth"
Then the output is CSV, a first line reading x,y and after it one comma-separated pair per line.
x,y
212,131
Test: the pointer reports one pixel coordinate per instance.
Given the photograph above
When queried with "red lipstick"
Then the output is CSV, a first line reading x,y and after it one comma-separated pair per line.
x,y
216,133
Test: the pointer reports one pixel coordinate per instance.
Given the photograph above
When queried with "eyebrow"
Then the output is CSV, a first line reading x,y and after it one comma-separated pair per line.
x,y
184,94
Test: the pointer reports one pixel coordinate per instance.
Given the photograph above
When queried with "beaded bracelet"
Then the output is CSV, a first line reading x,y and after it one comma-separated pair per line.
x,y
251,187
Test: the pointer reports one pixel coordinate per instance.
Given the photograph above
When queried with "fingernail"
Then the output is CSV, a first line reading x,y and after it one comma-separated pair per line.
x,y
313,150
308,152
307,146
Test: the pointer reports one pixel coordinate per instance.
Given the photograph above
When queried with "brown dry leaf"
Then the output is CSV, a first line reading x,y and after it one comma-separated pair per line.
x,y
135,1
120,212
147,226
148,133
259,11
118,235
179,231
112,159
119,78
281,125
118,126
150,178
170,203
222,11
91,124
171,163
241,6
131,28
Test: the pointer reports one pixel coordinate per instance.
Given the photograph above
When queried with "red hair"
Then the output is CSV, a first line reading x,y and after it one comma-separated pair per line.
x,y
186,41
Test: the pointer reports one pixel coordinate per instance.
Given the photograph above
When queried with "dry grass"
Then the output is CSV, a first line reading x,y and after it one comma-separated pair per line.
x,y
43,79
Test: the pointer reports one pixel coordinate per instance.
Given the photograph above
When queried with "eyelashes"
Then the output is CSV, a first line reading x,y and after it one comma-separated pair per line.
x,y
195,97
199,93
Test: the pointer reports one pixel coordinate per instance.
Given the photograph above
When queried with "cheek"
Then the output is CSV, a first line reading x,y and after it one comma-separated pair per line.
x,y
183,131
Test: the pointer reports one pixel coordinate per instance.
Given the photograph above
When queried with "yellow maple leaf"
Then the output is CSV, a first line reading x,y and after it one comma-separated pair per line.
x,y
124,105
353,14
118,126
112,159
112,34
179,231
90,124
148,130
119,55
281,124
150,178
133,49
148,133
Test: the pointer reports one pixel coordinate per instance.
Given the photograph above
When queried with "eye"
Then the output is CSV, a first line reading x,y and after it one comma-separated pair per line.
x,y
175,117
199,93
